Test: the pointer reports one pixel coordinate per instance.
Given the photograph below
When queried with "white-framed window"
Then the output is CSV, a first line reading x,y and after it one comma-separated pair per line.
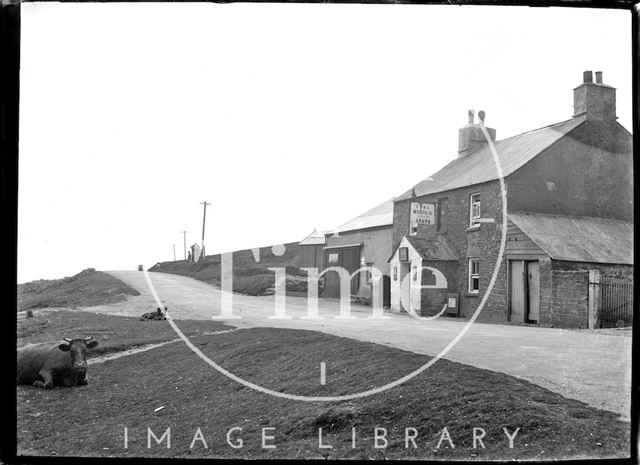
x,y
413,230
395,273
474,210
474,276
415,273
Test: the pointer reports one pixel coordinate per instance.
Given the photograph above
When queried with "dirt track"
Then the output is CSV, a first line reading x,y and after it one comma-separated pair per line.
x,y
576,364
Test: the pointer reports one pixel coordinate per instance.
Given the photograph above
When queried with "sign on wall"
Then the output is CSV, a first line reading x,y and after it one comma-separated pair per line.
x,y
422,213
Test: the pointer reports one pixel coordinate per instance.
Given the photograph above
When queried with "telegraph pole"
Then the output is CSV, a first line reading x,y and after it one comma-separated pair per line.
x,y
174,252
204,217
184,234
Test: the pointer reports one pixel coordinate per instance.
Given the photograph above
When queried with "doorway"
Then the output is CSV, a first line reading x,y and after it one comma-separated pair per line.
x,y
405,286
524,291
347,258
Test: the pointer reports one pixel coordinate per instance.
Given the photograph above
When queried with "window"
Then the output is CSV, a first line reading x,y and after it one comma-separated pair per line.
x,y
403,254
441,212
413,230
474,275
395,273
474,210
415,273
333,258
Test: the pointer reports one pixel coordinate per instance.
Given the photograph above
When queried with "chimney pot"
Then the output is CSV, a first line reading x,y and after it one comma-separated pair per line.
x,y
594,101
471,137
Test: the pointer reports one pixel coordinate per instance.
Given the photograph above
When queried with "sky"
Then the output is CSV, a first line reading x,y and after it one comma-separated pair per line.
x,y
285,117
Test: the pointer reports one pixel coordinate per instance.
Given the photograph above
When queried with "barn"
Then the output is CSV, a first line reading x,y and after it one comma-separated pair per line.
x,y
568,257
310,251
364,241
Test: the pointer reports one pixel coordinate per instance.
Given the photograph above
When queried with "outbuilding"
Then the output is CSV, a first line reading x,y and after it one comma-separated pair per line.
x,y
364,241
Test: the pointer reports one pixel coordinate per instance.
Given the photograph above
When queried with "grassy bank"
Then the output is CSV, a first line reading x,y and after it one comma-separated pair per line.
x,y
85,289
126,393
249,276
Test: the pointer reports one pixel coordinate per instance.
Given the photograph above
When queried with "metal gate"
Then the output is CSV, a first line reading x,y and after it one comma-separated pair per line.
x,y
613,301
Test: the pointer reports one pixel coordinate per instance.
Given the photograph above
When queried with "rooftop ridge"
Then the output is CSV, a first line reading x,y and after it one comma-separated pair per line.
x,y
440,176
581,117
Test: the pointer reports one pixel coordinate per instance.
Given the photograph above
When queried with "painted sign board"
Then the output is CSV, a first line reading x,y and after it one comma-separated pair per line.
x,y
422,213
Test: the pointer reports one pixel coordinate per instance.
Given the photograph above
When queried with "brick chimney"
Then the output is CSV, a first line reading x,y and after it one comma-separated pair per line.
x,y
470,137
594,99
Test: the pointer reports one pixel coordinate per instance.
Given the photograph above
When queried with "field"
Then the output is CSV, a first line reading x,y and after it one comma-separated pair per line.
x,y
125,393
249,276
89,287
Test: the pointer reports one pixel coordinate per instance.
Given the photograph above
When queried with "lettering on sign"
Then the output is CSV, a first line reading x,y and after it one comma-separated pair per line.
x,y
422,213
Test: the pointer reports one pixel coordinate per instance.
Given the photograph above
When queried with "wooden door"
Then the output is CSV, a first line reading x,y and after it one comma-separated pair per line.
x,y
351,262
347,258
516,290
331,278
533,285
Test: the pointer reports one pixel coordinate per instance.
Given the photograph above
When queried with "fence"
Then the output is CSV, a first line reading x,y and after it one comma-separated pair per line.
x,y
611,301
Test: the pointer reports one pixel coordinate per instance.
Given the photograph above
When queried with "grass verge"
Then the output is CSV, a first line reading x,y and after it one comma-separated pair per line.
x,y
113,333
249,276
87,288
126,392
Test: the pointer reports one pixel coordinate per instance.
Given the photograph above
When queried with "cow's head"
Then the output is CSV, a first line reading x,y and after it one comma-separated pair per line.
x,y
77,348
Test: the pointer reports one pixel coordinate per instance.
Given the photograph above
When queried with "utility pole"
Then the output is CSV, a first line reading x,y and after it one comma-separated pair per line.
x,y
184,234
174,252
204,217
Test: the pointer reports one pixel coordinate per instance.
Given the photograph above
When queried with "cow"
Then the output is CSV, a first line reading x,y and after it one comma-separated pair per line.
x,y
50,364
157,315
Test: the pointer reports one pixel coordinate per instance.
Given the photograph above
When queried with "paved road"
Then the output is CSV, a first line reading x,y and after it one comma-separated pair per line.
x,y
589,366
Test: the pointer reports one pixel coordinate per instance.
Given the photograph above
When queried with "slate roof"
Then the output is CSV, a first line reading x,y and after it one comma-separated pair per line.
x,y
380,215
479,166
315,238
433,249
578,239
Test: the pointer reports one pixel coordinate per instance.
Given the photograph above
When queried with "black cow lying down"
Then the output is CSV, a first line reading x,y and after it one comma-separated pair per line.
x,y
50,364
157,315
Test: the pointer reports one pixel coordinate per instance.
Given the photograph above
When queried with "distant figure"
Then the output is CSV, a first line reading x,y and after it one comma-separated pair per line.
x,y
189,256
195,252
140,268
157,315
29,314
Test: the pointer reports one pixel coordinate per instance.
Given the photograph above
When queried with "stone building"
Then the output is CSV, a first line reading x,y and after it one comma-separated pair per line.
x,y
568,189
363,241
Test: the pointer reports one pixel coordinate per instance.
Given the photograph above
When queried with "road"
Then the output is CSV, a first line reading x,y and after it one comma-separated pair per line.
x,y
591,366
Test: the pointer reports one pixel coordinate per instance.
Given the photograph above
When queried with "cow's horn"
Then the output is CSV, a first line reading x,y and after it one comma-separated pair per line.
x,y
67,339
88,338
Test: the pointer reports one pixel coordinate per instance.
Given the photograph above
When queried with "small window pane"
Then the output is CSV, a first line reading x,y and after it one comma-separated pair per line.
x,y
474,275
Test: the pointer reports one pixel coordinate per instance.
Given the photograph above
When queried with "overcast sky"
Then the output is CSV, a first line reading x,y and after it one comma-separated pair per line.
x,y
285,117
